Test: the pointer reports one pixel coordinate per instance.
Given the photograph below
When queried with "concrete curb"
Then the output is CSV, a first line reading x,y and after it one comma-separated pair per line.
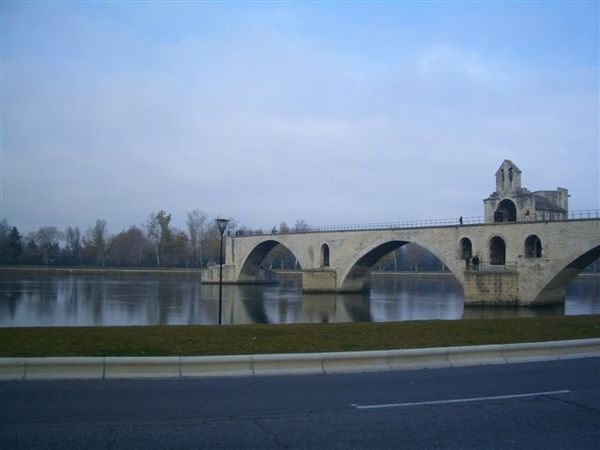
x,y
135,367
216,366
295,363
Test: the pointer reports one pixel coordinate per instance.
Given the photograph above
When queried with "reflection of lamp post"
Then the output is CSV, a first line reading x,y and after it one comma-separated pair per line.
x,y
222,224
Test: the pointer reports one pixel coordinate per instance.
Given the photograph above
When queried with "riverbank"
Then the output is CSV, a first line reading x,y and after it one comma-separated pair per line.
x,y
195,272
297,338
99,271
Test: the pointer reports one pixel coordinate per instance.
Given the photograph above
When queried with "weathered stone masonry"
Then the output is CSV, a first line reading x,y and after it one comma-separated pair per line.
x,y
525,258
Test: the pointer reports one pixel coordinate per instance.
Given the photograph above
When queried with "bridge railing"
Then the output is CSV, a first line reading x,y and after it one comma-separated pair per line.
x,y
584,214
394,225
475,220
430,223
487,267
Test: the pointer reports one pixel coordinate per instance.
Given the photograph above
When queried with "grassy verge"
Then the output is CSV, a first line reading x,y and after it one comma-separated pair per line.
x,y
245,339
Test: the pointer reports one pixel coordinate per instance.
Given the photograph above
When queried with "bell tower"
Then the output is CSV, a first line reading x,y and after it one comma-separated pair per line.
x,y
508,178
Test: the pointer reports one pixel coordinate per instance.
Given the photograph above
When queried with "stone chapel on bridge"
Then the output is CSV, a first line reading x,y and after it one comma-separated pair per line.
x,y
511,202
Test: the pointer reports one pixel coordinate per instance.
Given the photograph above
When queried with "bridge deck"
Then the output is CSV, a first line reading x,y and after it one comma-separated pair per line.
x,y
590,214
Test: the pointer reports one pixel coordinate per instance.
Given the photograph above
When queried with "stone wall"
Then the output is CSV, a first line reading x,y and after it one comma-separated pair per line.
x,y
319,280
491,288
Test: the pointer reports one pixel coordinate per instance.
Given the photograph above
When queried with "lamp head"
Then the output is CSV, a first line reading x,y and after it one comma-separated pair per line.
x,y
222,224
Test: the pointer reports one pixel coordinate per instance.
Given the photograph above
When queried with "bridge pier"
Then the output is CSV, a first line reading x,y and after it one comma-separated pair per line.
x,y
491,288
210,275
319,280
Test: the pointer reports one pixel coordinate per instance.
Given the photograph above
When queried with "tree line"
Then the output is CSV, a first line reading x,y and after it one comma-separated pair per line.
x,y
155,243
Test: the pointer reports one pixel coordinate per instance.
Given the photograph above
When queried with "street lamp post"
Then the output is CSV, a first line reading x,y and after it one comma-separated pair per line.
x,y
222,224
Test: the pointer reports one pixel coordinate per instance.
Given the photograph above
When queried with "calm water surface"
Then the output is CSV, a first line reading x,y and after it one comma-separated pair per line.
x,y
72,300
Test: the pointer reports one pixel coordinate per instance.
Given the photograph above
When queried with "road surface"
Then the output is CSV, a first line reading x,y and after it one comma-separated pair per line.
x,y
546,405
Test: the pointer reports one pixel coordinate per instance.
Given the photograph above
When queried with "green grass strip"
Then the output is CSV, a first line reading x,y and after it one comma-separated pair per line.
x,y
297,338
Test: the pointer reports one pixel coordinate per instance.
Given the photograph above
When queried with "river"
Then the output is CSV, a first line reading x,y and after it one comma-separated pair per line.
x,y
78,300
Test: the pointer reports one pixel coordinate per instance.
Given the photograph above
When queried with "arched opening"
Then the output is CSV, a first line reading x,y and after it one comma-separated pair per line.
x,y
466,248
325,255
264,259
357,278
554,291
533,247
506,212
393,256
497,251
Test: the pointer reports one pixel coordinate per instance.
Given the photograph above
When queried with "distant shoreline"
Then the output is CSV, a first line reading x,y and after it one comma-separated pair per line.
x,y
98,271
195,272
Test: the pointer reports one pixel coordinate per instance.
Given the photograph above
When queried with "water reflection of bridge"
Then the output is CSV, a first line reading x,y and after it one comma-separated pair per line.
x,y
394,298
247,304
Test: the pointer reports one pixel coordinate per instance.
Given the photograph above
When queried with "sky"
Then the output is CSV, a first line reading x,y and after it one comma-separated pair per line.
x,y
330,112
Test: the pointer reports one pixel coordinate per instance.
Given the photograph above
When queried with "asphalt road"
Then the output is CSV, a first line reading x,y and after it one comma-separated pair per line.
x,y
546,405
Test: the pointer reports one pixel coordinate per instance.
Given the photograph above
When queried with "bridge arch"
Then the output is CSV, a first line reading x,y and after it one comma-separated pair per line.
x,y
356,275
555,285
252,269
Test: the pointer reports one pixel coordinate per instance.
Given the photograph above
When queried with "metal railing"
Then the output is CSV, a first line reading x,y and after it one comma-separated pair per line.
x,y
487,267
431,223
584,214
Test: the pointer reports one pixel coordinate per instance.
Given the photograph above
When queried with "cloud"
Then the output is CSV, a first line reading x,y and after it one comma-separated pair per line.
x,y
266,123
445,60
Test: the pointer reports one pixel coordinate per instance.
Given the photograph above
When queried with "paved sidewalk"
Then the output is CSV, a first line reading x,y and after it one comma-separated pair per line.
x,y
293,363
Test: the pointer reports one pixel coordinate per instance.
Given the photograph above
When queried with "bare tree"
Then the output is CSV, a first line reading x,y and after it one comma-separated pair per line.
x,y
166,237
127,248
73,242
417,255
159,235
301,226
196,224
180,248
95,243
99,241
46,238
153,235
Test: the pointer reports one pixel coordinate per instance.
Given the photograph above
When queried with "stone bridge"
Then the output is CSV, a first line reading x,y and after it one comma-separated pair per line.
x,y
524,263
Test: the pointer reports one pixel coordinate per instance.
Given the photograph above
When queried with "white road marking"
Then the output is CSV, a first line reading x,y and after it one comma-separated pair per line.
x,y
459,400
